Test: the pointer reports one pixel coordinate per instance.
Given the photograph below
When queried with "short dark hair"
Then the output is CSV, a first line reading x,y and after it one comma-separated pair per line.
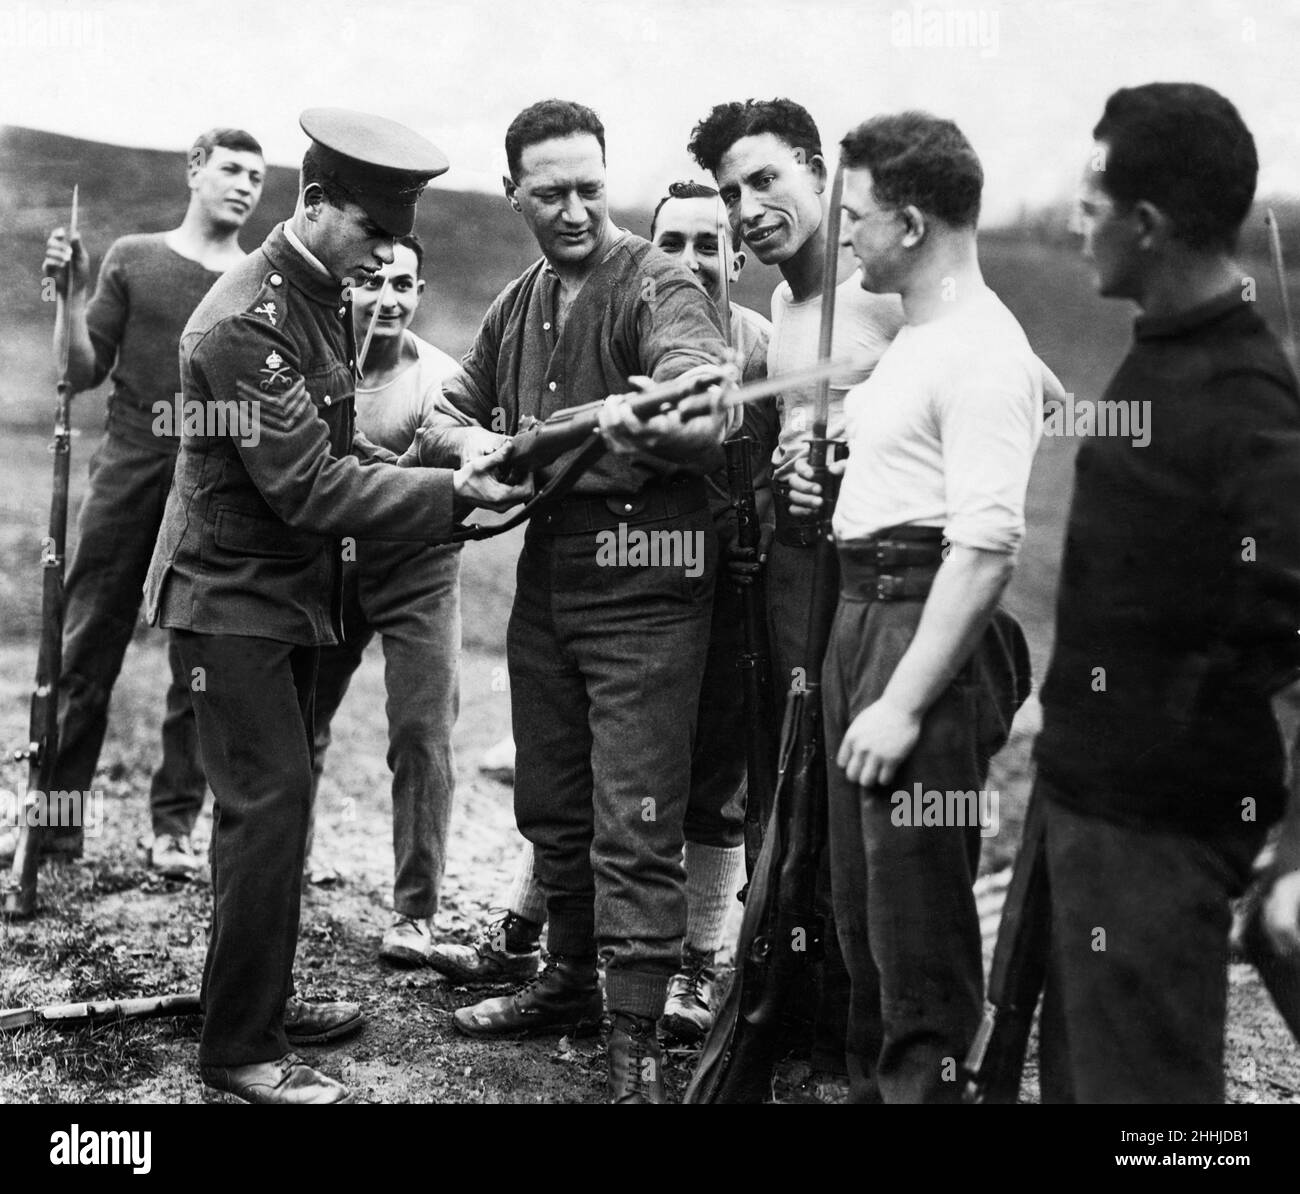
x,y
1184,148
416,245
223,138
919,160
727,123
682,190
316,169
547,119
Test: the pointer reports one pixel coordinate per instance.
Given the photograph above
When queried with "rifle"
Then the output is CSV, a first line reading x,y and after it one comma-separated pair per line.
x,y
754,662
541,442
781,934
42,746
66,1015
996,1058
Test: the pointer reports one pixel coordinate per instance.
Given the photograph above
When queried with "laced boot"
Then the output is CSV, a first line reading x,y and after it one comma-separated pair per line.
x,y
506,952
565,997
636,1062
687,1014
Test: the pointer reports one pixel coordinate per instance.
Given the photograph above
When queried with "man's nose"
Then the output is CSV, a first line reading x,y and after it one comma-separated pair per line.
x,y
748,208
574,212
689,259
384,251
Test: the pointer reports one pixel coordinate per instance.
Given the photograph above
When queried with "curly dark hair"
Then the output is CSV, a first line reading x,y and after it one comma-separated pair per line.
x,y
727,123
919,160
1184,148
546,119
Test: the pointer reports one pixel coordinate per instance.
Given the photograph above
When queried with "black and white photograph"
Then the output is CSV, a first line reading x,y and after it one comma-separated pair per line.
x,y
650,551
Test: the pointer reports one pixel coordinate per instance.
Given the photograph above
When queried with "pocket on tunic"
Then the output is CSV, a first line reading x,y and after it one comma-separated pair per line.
x,y
250,535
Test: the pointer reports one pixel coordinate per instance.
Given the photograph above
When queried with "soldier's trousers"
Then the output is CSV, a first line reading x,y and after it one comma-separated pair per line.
x,y
116,528
904,905
1137,976
253,707
409,595
605,668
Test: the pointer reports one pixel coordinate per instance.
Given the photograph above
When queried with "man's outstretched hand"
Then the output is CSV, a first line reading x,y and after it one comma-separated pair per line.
x,y
475,483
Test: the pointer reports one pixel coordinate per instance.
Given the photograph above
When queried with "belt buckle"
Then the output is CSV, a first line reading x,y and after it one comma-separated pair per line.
x,y
889,588
887,553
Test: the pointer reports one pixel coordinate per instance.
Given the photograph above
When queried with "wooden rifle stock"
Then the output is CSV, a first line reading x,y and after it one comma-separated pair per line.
x,y
754,661
996,1058
41,751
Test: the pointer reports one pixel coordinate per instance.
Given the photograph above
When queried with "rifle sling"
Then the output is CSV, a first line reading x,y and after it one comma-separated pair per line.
x,y
555,488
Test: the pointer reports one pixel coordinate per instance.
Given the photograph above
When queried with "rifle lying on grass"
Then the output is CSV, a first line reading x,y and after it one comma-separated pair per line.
x,y
754,661
781,933
78,1015
42,748
543,442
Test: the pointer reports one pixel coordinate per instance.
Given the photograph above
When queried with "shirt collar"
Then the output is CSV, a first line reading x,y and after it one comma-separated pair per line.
x,y
619,235
1194,319
287,254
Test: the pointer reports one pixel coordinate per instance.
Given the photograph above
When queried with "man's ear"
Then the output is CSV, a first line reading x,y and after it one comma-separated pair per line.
x,y
1153,226
512,190
817,167
313,199
419,287
914,226
738,260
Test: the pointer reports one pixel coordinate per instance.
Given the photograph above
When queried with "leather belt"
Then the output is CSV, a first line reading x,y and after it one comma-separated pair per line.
x,y
576,514
899,564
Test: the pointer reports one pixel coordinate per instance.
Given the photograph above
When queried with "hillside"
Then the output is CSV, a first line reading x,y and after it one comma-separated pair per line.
x,y
476,243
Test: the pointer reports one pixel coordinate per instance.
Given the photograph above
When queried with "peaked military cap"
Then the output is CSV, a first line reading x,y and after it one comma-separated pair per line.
x,y
382,165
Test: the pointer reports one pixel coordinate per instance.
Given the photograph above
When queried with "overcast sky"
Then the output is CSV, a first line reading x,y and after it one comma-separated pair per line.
x,y
1025,80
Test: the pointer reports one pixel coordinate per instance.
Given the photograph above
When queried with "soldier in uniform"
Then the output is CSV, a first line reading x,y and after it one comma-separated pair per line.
x,y
605,661
247,568
148,286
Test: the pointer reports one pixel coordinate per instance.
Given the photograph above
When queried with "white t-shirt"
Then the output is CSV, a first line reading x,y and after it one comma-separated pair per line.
x,y
943,433
390,415
865,323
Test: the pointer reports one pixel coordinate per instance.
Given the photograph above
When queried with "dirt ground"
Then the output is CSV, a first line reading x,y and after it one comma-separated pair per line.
x,y
107,928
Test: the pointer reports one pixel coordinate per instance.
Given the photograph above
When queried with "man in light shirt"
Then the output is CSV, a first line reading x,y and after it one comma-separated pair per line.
x,y
767,158
408,594
924,670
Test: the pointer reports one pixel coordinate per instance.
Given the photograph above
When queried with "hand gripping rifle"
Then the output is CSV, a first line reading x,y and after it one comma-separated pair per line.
x,y
781,933
543,442
42,746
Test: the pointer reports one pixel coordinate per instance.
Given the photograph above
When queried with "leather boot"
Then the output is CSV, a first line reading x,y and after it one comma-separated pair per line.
x,y
565,997
636,1063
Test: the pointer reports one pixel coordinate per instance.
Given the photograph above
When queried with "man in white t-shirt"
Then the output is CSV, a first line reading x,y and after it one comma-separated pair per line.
x,y
408,594
924,670
767,158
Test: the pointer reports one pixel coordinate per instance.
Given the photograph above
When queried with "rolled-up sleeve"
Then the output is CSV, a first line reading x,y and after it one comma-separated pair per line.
x,y
989,428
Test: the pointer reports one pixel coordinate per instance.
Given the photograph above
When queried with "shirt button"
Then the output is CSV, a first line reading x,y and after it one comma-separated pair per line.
x,y
351,364
342,312
546,327
276,279
328,400
552,387
627,507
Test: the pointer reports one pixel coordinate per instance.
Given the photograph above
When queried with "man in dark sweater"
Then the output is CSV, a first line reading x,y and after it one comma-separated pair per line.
x,y
148,286
1170,706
